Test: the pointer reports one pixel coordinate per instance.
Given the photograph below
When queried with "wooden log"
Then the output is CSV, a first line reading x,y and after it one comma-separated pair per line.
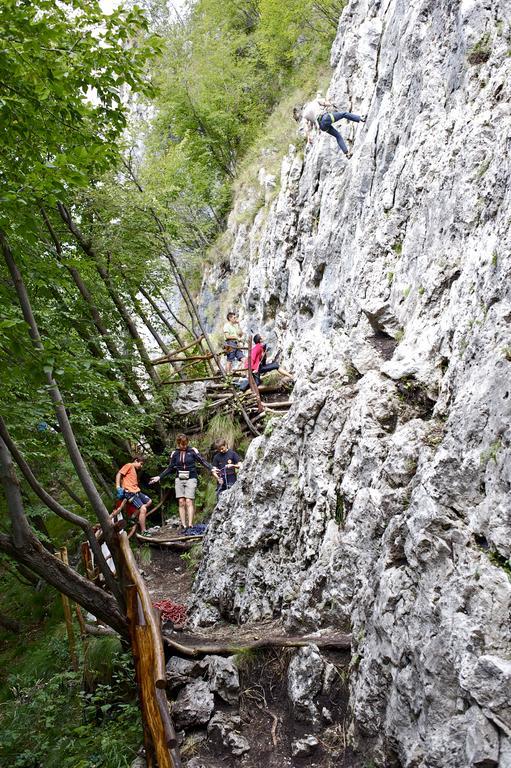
x,y
281,404
160,679
148,695
164,358
66,604
100,631
339,640
259,416
163,706
189,381
150,540
190,359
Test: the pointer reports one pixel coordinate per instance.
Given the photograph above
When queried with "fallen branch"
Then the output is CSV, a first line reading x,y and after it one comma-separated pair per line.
x,y
100,631
227,648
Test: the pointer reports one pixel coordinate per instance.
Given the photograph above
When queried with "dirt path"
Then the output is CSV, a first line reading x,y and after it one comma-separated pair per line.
x,y
267,721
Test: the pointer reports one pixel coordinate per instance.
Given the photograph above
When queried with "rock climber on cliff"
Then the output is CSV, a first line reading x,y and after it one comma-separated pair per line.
x,y
320,114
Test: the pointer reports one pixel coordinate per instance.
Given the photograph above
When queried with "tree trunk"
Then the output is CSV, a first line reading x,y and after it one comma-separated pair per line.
x,y
160,314
6,443
130,325
62,418
87,248
26,549
148,324
93,310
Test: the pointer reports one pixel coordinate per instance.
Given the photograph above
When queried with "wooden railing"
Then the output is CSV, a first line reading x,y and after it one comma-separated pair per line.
x,y
147,646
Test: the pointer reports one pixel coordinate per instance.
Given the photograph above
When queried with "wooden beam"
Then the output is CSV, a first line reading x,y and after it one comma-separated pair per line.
x,y
192,358
198,646
164,358
188,381
160,679
66,604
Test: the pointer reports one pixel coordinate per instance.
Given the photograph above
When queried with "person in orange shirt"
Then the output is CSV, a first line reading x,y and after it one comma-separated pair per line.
x,y
126,481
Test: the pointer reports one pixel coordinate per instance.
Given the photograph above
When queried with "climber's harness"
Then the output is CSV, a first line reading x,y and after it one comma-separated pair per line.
x,y
331,120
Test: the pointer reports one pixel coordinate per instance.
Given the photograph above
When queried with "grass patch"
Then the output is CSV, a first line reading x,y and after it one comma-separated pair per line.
x,y
491,453
192,558
481,51
223,427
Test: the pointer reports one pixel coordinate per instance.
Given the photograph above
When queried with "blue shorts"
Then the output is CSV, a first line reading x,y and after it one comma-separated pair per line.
x,y
137,499
235,353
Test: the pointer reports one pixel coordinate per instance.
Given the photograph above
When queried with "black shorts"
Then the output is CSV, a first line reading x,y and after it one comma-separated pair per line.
x,y
234,353
137,499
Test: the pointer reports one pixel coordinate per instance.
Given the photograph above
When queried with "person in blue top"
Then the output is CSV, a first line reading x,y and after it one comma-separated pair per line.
x,y
183,461
226,461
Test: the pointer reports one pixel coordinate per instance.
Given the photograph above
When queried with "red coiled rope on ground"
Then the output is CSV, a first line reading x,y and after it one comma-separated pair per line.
x,y
173,612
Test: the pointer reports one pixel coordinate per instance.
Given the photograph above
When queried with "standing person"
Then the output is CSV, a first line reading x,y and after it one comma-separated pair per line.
x,y
183,461
227,462
232,337
126,481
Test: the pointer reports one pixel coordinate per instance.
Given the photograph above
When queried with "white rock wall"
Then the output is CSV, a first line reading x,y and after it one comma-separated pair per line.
x,y
382,501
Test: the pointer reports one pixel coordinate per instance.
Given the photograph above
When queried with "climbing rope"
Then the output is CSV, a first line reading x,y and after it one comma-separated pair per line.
x,y
173,612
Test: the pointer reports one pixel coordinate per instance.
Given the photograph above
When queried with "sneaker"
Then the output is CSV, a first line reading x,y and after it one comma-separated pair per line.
x,y
349,155
363,118
145,533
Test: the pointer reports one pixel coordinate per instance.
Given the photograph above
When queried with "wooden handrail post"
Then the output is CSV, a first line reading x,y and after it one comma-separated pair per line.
x,y
62,555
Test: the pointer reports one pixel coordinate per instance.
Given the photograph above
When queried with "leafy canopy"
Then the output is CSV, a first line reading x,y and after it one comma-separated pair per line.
x,y
64,69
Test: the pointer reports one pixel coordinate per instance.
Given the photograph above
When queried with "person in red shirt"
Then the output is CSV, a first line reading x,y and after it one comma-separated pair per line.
x,y
258,360
126,481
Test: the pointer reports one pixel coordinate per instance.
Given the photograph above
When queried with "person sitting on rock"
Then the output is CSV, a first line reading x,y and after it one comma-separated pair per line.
x,y
126,481
232,337
226,462
183,461
316,115
259,364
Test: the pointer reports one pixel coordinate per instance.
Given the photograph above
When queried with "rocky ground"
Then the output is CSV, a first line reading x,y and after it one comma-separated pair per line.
x,y
282,707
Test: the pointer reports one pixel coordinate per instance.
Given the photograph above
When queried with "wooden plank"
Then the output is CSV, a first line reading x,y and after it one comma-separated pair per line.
x,y
198,646
66,604
189,381
160,678
164,358
148,694
154,540
190,359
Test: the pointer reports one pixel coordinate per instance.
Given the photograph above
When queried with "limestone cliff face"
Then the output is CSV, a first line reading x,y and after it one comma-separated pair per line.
x,y
382,501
